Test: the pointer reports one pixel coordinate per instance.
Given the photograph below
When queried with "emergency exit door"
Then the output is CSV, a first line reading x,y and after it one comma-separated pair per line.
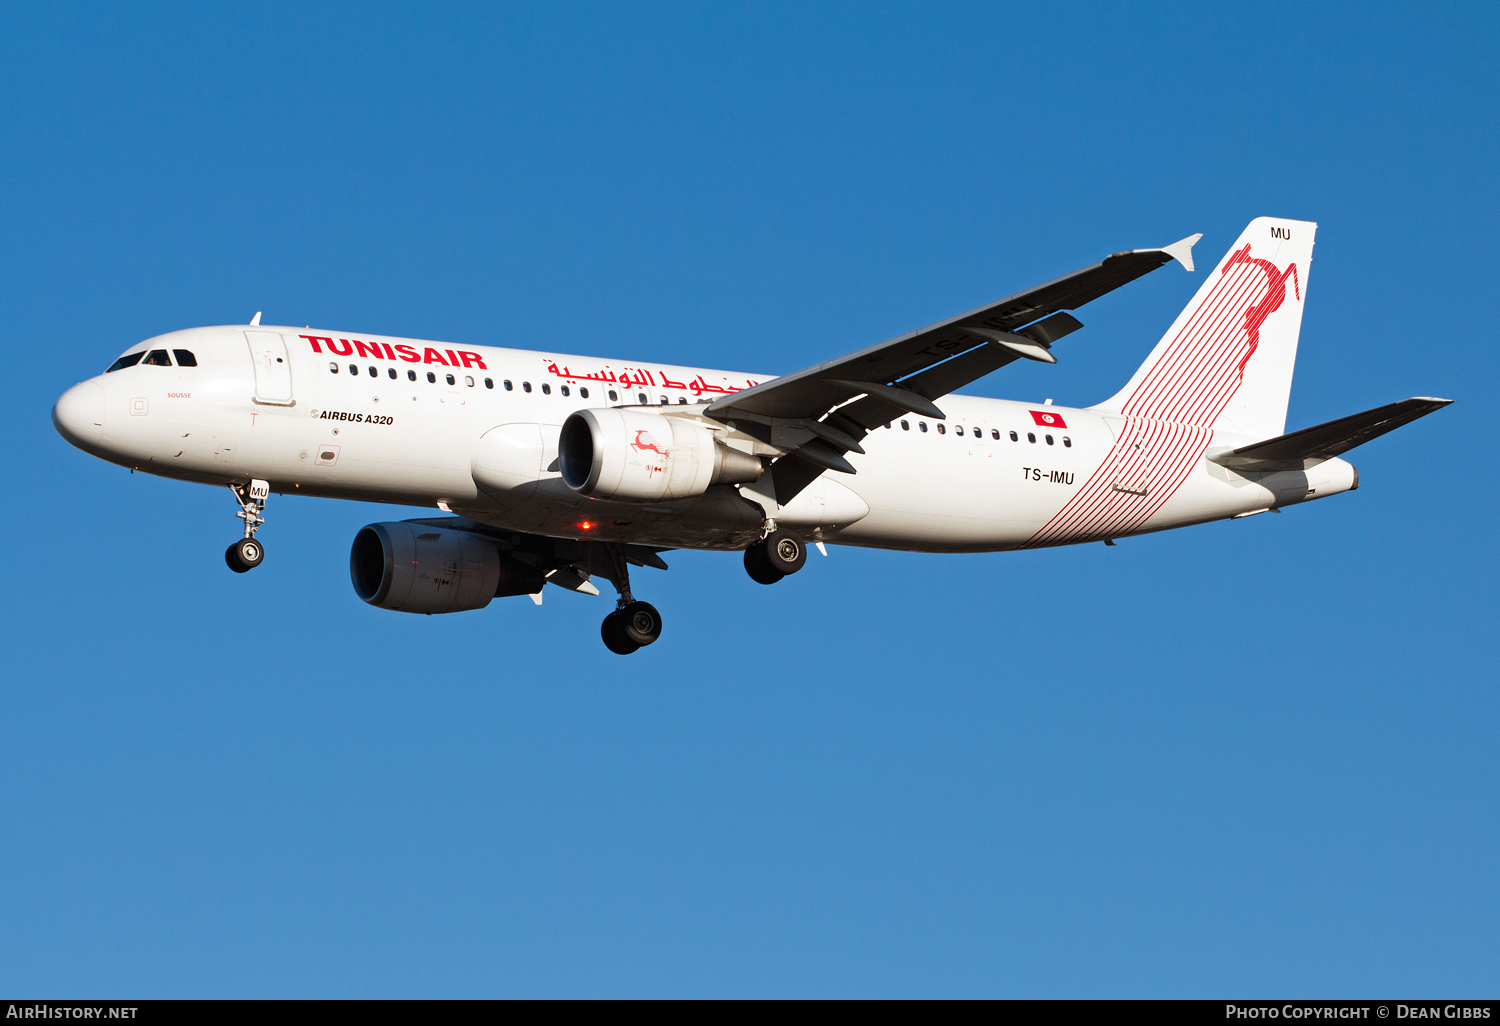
x,y
273,368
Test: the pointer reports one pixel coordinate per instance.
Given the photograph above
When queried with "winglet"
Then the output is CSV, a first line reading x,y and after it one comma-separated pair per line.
x,y
1182,250
255,321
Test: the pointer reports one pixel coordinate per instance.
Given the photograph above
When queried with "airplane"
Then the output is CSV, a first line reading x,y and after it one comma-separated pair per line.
x,y
557,469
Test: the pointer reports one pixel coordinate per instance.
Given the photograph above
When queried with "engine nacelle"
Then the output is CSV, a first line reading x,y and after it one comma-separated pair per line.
x,y
415,568
646,457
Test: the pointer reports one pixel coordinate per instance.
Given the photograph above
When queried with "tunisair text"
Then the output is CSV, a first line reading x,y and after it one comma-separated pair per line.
x,y
400,351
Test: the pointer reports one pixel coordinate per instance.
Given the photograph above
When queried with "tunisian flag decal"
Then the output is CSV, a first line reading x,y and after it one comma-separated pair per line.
x,y
1046,419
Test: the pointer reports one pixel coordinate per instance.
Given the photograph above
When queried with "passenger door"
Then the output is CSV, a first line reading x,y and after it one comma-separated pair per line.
x,y
273,368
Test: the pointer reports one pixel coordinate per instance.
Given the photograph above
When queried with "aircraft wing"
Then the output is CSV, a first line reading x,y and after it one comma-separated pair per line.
x,y
809,413
1305,449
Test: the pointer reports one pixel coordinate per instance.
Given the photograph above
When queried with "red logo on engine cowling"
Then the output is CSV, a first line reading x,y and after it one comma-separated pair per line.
x,y
645,443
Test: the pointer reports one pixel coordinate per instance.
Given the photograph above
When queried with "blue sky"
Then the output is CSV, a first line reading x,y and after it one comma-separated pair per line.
x,y
1251,759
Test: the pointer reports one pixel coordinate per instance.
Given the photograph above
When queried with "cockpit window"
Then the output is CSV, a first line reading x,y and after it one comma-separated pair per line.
x,y
157,358
128,360
185,358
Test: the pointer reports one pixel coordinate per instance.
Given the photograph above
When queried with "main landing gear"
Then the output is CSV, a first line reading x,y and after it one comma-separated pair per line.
x,y
633,624
773,557
247,553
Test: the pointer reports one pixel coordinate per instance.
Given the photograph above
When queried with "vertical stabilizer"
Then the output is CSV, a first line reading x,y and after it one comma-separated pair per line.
x,y
1227,360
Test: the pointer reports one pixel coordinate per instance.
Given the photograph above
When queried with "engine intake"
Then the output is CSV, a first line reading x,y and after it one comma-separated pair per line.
x,y
646,457
416,568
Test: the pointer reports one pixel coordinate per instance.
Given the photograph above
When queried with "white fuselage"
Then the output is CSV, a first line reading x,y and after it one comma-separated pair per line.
x,y
332,420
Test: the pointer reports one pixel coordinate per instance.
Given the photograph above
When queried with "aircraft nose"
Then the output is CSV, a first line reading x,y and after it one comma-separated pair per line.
x,y
79,414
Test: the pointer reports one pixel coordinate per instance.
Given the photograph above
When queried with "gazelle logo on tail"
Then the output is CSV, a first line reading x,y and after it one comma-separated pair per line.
x,y
1275,295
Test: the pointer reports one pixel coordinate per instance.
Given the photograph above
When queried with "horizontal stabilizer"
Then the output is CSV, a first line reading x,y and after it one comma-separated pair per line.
x,y
1302,450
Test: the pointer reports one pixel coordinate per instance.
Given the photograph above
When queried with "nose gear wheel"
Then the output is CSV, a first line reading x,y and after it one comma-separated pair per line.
x,y
244,555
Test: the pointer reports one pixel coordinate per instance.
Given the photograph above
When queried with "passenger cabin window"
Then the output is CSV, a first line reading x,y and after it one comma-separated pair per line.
x,y
451,379
583,392
392,372
374,372
157,358
995,434
468,381
942,430
526,386
489,382
614,396
431,378
1031,438
546,389
641,398
508,385
682,400
333,368
921,425
1049,439
128,361
563,389
1014,437
905,426
354,370
185,358
1067,442
958,429
411,375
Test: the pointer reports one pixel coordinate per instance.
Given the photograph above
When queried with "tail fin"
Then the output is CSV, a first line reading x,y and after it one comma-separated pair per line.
x,y
1227,360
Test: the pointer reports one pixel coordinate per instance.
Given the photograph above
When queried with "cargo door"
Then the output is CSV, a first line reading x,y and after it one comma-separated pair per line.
x,y
273,368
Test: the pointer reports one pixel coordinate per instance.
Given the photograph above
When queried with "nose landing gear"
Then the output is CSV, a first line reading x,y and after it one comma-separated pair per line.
x,y
247,553
775,556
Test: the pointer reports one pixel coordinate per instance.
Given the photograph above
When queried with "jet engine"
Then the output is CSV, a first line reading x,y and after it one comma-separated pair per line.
x,y
416,568
646,457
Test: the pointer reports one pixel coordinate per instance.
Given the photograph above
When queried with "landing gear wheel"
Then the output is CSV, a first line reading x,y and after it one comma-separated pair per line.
x,y
244,555
640,623
759,567
775,556
613,633
785,552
